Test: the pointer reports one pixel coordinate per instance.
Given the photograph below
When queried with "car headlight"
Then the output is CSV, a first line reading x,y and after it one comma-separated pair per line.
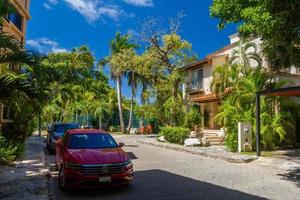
x,y
72,165
128,164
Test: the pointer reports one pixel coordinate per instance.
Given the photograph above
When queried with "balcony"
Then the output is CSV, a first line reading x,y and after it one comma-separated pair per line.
x,y
194,86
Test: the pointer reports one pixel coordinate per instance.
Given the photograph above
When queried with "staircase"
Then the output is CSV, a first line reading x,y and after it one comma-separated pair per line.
x,y
213,137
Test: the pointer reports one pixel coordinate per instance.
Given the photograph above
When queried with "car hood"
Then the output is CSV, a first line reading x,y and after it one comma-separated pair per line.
x,y
97,156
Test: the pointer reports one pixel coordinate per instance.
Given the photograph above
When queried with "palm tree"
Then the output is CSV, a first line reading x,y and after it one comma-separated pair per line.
x,y
101,107
117,45
244,54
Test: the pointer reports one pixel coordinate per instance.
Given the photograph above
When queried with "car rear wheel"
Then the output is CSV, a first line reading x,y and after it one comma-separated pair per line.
x,y
61,178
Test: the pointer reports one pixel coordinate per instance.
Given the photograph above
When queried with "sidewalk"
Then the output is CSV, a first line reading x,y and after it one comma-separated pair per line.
x,y
212,151
27,179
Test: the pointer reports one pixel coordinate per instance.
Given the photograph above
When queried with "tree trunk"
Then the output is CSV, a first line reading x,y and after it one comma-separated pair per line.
x,y
100,123
131,103
76,117
100,120
120,104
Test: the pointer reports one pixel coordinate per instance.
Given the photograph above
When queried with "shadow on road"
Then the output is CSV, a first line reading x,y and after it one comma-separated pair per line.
x,y
158,184
292,175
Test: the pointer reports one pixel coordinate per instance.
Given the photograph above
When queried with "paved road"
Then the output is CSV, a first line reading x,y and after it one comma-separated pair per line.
x,y
167,174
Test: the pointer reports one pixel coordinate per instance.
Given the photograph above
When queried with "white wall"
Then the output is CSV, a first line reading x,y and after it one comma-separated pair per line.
x,y
207,78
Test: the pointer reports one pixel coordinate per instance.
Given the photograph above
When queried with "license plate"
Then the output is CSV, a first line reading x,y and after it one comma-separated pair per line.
x,y
105,179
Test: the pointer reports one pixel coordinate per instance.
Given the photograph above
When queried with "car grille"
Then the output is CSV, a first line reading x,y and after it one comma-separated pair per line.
x,y
101,169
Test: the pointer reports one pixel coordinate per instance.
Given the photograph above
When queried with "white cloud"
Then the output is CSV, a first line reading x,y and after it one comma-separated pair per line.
x,y
92,10
45,45
53,2
47,6
142,3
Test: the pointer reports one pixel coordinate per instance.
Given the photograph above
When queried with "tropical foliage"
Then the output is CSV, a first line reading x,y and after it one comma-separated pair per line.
x,y
155,68
193,117
175,135
238,103
277,22
76,89
120,48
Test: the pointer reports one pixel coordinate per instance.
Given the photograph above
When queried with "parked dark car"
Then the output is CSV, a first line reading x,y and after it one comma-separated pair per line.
x,y
55,132
90,158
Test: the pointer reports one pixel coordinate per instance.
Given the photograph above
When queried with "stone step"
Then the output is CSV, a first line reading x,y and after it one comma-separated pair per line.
x,y
214,131
210,135
214,139
215,143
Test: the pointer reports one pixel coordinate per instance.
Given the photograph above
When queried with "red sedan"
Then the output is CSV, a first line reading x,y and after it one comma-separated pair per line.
x,y
88,158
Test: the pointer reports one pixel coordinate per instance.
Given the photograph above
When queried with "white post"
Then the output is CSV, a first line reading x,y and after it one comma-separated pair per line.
x,y
244,136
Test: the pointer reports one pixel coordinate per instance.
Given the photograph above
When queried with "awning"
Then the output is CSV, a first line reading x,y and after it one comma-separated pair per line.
x,y
284,92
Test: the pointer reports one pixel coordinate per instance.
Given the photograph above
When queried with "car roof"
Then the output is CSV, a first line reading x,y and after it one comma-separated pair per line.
x,y
86,131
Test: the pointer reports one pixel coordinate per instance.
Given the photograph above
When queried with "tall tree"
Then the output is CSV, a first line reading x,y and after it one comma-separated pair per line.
x,y
119,44
277,22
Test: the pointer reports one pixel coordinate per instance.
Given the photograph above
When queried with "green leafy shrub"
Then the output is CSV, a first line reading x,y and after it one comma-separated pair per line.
x,y
175,135
32,126
232,141
193,117
10,152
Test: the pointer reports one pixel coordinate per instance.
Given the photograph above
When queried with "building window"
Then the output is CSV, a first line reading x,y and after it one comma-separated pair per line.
x,y
195,82
197,77
16,19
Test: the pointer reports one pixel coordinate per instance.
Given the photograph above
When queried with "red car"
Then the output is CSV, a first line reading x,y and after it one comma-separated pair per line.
x,y
88,158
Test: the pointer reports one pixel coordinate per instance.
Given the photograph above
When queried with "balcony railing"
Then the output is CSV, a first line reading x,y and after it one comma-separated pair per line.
x,y
194,86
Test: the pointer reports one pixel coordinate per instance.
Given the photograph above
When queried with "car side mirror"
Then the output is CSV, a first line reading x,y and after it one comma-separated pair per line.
x,y
121,144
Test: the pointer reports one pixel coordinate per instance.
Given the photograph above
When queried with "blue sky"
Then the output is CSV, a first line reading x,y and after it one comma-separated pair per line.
x,y
60,25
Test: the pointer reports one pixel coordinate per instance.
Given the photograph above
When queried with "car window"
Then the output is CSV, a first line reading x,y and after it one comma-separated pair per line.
x,y
91,141
64,127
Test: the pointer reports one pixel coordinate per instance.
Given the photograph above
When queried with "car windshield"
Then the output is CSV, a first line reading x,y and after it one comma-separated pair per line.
x,y
91,141
64,127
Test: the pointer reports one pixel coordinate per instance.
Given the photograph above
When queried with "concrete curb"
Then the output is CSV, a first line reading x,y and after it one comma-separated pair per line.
x,y
238,159
50,190
43,158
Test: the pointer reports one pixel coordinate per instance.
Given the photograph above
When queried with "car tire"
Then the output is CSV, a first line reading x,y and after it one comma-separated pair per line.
x,y
61,179
51,151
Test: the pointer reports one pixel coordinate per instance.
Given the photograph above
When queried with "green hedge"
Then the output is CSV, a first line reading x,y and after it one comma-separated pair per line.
x,y
175,135
115,129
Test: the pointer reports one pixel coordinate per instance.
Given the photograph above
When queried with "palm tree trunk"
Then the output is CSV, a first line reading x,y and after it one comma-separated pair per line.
x,y
120,104
100,123
76,117
131,103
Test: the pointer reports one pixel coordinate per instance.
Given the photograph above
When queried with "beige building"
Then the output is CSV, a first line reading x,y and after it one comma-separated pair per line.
x,y
197,87
16,23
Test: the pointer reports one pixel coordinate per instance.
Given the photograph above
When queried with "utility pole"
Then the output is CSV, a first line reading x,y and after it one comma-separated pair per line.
x,y
258,153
